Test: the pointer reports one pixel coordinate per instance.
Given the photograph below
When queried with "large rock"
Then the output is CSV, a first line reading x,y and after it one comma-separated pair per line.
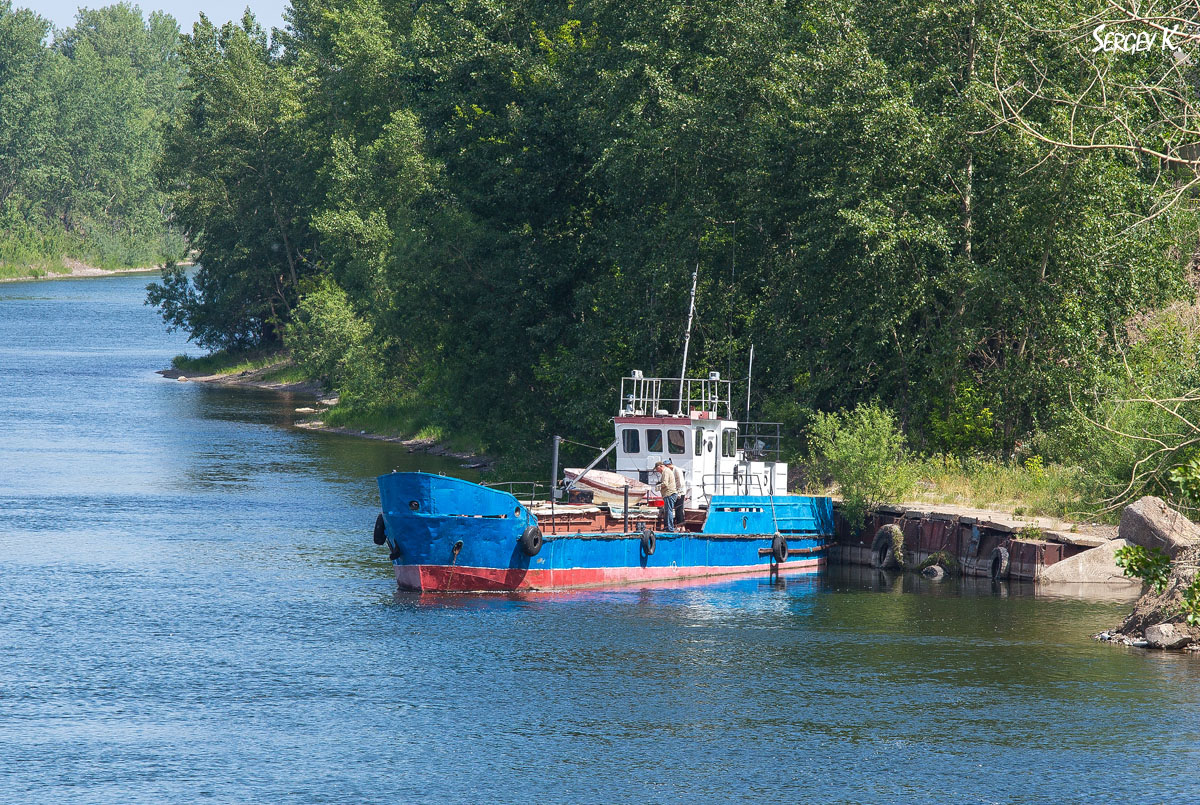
x,y
1168,635
1153,524
1095,566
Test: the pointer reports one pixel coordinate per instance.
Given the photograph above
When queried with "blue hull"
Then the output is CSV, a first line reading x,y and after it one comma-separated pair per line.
x,y
449,534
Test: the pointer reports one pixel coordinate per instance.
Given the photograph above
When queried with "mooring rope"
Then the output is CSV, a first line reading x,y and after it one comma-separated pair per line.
x,y
578,444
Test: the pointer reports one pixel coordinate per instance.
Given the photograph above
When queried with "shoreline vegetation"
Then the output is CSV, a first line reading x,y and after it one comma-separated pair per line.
x,y
1039,495
83,111
471,233
941,309
275,371
70,268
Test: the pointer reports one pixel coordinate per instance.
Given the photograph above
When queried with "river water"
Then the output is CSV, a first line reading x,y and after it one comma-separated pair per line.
x,y
191,609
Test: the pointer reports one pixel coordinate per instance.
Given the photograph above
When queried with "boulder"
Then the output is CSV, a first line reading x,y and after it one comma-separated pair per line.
x,y
1095,565
934,572
1153,524
1168,635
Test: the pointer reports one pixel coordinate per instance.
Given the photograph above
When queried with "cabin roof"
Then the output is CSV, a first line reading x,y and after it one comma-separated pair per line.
x,y
678,421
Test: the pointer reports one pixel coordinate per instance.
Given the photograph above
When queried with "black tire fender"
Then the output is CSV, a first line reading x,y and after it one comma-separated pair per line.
x,y
380,536
531,540
998,566
779,548
649,542
889,541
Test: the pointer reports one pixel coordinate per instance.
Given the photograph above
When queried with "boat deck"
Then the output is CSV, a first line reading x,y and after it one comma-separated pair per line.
x,y
571,518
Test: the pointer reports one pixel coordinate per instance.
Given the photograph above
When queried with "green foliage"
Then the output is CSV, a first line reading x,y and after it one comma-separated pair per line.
x,y
239,169
944,559
1151,566
1187,477
329,341
967,427
226,362
1132,434
863,451
511,197
81,124
1036,467
1191,601
985,483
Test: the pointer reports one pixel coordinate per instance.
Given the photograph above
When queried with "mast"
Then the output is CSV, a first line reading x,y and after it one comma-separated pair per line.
x,y
687,337
749,378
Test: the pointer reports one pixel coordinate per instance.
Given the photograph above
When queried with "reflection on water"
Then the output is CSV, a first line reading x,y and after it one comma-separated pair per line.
x,y
193,610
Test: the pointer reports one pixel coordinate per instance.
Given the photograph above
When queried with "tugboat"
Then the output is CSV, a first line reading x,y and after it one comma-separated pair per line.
x,y
446,534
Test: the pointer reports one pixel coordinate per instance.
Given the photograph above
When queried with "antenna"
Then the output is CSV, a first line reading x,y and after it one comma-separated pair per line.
x,y
687,337
749,377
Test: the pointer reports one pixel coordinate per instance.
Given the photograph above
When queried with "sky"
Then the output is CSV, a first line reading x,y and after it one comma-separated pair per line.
x,y
268,12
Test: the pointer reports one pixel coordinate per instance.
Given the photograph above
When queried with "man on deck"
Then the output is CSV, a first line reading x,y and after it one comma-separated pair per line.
x,y
680,493
668,486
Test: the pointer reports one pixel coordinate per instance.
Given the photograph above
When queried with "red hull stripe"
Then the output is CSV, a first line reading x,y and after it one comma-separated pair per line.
x,y
448,578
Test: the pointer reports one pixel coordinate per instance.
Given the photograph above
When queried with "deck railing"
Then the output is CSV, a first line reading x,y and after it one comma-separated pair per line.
x,y
761,441
730,484
655,396
530,491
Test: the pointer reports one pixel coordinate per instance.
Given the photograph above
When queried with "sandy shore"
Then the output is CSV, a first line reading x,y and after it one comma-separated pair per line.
x,y
74,269
254,379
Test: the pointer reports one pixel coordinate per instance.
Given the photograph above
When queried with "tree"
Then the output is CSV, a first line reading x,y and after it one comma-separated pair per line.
x,y
239,174
25,108
80,133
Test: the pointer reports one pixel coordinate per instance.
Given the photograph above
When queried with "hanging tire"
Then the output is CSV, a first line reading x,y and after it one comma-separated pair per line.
x,y
887,548
531,540
649,542
779,549
998,567
380,536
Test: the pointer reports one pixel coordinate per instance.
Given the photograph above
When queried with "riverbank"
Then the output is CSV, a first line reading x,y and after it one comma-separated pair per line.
x,y
276,373
71,269
1066,557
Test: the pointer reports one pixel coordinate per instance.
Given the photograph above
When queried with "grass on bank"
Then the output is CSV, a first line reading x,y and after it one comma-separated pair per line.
x,y
36,270
860,453
226,362
280,365
406,420
1032,488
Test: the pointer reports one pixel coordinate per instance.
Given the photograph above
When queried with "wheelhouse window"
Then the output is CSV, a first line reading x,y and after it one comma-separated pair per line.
x,y
699,442
629,441
676,442
653,440
729,443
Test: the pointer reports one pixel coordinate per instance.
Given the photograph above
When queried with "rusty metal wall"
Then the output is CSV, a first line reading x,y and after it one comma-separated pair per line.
x,y
975,544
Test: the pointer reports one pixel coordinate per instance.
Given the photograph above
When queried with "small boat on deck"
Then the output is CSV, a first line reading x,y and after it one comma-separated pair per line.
x,y
610,487
445,534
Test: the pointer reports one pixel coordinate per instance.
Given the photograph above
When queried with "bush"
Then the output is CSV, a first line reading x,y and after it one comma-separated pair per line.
x,y
329,341
1187,477
968,425
1191,601
1151,566
1132,434
863,451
